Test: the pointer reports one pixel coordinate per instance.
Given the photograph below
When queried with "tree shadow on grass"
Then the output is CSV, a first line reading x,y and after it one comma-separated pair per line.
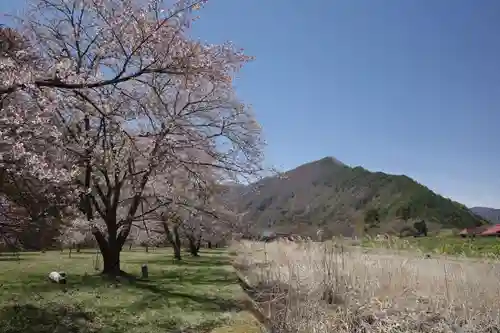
x,y
28,318
39,283
173,327
187,260
177,288
198,276
171,275
167,295
56,318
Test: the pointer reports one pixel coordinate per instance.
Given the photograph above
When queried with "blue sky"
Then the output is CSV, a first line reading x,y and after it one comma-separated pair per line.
x,y
407,87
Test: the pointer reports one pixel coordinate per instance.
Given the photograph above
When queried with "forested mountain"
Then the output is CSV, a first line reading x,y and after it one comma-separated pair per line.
x,y
340,199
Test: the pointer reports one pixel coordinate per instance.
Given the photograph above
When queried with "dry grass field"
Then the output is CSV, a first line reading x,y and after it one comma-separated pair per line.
x,y
329,287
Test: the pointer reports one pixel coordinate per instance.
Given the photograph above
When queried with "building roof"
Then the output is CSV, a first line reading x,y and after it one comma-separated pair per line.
x,y
492,230
475,230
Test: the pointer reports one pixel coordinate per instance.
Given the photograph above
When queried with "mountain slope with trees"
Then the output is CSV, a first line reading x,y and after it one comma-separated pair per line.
x,y
339,199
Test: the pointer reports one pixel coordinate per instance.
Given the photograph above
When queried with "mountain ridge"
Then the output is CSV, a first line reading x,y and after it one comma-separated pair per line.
x,y
490,214
335,197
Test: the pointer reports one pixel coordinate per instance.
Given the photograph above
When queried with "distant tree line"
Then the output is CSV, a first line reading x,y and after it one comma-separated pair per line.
x,y
405,213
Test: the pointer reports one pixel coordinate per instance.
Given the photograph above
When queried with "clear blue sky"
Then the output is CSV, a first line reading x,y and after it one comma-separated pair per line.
x,y
407,87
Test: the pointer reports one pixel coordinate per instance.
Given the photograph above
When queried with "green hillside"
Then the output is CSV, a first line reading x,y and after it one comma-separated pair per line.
x,y
337,198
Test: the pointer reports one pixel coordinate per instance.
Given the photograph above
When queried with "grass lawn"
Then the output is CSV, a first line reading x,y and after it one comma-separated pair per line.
x,y
195,295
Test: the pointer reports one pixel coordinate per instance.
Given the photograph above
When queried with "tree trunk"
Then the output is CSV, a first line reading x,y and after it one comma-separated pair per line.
x,y
111,262
198,244
209,244
177,243
194,247
110,248
177,252
173,239
193,250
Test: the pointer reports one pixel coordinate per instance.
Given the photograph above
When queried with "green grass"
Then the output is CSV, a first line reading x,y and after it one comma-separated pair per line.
x,y
198,294
486,247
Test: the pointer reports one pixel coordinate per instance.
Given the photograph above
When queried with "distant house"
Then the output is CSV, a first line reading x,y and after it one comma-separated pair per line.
x,y
269,236
473,231
493,230
484,230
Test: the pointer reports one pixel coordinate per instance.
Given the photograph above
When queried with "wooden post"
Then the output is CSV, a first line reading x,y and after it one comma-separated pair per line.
x,y
96,260
144,271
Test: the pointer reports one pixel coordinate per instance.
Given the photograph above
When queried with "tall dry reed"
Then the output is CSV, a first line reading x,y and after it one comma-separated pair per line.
x,y
333,287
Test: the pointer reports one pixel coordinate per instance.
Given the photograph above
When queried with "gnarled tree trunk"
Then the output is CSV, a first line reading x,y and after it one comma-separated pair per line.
x,y
194,245
111,262
177,241
174,239
111,248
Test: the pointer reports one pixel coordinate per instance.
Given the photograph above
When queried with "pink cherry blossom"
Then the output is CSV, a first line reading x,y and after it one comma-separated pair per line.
x,y
113,100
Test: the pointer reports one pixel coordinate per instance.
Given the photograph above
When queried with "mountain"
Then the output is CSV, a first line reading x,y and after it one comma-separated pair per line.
x,y
335,197
491,214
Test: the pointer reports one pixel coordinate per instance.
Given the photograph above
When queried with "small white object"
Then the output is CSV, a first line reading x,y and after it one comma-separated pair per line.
x,y
57,277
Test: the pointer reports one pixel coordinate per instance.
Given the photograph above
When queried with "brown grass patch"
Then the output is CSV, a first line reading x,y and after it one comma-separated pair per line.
x,y
323,287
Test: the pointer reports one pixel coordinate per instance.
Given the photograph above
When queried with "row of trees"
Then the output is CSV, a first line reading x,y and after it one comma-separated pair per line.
x,y
113,120
184,234
372,220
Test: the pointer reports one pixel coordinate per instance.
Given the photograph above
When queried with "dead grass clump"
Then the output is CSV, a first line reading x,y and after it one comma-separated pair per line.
x,y
277,301
327,287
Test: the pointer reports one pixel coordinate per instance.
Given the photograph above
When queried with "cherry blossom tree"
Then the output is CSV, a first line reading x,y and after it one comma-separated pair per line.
x,y
170,223
146,238
194,229
74,234
203,228
131,100
13,221
29,136
28,215
197,213
216,226
35,185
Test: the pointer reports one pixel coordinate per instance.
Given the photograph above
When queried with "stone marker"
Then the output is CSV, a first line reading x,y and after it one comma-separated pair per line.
x,y
144,271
